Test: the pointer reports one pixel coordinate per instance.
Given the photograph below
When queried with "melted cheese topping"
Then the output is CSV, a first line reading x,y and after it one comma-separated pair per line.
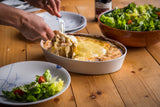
x,y
82,48
89,49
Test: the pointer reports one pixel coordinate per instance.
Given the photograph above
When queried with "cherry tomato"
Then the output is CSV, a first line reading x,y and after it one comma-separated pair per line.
x,y
19,92
129,21
158,13
41,79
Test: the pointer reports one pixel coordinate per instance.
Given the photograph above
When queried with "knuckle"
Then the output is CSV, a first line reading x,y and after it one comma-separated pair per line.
x,y
43,34
44,28
58,1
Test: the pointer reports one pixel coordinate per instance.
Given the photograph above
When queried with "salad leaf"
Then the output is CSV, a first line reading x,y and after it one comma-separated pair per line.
x,y
36,90
47,75
141,9
133,18
108,21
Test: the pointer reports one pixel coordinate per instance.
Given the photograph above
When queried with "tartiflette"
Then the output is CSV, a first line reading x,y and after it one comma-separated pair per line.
x,y
82,47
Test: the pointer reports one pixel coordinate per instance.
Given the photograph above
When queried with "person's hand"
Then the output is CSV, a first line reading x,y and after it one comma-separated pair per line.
x,y
52,6
33,27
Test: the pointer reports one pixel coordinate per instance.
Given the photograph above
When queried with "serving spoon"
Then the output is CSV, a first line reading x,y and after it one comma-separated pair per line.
x,y
61,24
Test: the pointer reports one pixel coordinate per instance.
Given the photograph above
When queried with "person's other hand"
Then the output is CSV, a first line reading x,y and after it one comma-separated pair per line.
x,y
52,6
34,27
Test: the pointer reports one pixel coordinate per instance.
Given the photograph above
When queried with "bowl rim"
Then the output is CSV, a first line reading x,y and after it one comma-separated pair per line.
x,y
107,11
124,52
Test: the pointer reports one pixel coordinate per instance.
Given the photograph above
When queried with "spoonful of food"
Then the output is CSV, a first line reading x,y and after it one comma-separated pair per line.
x,y
48,44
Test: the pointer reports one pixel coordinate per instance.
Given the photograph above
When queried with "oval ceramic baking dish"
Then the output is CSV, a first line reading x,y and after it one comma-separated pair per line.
x,y
88,67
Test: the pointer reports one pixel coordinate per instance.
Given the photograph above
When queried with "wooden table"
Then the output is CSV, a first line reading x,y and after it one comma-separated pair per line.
x,y
136,84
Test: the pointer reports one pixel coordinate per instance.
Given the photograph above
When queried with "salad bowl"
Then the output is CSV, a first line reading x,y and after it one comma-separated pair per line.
x,y
129,38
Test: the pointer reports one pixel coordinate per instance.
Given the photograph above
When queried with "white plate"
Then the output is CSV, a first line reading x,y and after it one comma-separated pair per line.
x,y
73,31
72,21
21,73
20,5
13,2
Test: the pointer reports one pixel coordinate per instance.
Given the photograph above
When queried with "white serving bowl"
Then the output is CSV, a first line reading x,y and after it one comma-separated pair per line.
x,y
88,67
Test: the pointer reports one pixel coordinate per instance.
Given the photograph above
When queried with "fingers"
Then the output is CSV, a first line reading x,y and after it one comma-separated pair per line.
x,y
50,33
54,7
49,9
44,36
35,38
47,34
58,3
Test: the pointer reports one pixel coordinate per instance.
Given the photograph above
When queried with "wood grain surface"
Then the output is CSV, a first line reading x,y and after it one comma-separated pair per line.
x,y
136,84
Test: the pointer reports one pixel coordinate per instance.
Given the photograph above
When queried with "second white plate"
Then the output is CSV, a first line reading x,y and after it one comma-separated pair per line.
x,y
72,21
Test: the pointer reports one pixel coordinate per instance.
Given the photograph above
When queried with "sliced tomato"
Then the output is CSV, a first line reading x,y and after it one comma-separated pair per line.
x,y
129,21
158,13
41,79
19,92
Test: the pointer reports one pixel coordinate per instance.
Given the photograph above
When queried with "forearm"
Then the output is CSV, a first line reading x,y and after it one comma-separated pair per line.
x,y
30,25
10,16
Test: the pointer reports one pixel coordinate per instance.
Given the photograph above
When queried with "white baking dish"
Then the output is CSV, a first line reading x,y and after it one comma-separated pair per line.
x,y
88,67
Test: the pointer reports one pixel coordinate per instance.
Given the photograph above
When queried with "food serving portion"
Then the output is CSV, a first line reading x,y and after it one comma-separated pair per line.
x,y
82,48
32,82
133,26
131,18
84,53
43,87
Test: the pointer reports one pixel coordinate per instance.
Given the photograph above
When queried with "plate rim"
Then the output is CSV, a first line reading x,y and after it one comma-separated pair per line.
x,y
85,20
43,100
76,30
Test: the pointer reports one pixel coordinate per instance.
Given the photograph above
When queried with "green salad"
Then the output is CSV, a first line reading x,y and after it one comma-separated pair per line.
x,y
43,87
133,18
